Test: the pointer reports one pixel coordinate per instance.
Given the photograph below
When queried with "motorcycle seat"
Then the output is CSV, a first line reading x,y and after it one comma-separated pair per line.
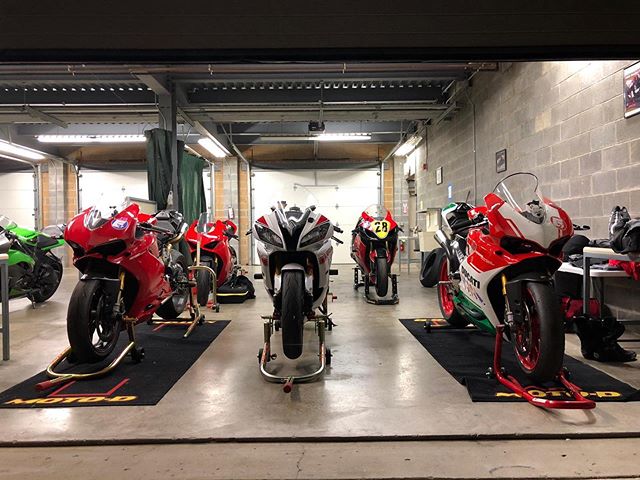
x,y
43,241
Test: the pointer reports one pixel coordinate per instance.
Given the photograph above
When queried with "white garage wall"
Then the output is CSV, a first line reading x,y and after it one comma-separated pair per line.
x,y
356,189
17,198
99,187
111,188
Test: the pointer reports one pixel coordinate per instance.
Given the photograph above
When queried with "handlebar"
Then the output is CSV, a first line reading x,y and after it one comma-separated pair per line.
x,y
337,229
337,240
151,228
581,227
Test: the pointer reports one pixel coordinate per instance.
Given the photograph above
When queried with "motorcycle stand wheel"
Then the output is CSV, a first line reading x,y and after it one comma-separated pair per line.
x,y
137,354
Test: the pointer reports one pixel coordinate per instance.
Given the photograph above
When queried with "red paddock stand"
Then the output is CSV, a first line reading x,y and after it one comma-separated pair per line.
x,y
579,402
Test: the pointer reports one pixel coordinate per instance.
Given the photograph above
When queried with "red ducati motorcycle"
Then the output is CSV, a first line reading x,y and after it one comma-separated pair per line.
x,y
131,269
374,245
497,275
215,252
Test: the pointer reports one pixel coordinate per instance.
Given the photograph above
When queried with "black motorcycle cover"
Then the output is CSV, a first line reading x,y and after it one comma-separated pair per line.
x,y
236,290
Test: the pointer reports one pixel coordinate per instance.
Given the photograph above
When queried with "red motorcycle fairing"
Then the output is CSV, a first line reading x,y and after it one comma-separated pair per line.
x,y
362,248
137,254
214,244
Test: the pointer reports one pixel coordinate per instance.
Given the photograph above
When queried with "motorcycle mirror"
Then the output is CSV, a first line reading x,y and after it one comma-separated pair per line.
x,y
312,208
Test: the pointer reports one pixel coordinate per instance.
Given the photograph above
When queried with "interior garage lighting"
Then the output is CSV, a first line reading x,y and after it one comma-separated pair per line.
x,y
341,137
409,146
91,138
19,151
214,147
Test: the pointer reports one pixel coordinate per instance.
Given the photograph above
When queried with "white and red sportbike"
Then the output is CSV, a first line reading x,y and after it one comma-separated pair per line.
x,y
294,247
497,272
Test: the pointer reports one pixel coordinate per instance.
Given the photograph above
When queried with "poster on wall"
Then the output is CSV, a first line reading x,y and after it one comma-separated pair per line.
x,y
501,161
631,86
438,175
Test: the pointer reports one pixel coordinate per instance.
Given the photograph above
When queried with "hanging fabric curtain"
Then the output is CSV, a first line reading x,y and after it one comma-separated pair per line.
x,y
159,165
193,200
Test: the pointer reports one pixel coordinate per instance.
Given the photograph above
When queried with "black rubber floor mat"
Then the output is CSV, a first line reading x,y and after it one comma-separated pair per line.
x,y
467,354
168,356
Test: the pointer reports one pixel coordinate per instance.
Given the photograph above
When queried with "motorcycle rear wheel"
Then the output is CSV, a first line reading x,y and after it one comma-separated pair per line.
x,y
292,315
92,329
382,277
539,342
174,307
445,298
48,282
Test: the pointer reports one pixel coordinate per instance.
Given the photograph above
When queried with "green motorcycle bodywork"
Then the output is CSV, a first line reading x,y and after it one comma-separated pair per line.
x,y
26,258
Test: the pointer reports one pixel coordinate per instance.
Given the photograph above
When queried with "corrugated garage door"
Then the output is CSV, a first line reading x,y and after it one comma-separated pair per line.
x,y
340,195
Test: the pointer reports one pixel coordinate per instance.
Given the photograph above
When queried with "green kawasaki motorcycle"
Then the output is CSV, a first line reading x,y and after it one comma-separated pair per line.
x,y
34,271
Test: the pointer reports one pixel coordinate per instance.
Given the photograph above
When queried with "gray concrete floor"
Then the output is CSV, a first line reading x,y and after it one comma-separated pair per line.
x,y
382,384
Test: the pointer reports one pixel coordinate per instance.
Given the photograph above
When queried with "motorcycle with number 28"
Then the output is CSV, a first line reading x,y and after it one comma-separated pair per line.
x,y
374,246
498,267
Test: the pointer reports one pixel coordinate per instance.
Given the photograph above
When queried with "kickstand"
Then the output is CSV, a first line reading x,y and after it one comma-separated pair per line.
x,y
578,402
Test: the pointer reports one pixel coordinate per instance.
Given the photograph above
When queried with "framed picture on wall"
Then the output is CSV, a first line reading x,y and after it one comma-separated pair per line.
x,y
501,161
631,90
438,175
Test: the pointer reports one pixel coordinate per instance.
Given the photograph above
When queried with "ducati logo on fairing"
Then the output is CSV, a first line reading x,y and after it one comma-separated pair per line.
x,y
557,222
469,278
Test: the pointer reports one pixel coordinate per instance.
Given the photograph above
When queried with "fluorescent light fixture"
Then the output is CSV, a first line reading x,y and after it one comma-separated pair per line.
x,y
341,137
409,146
126,138
20,151
323,137
214,147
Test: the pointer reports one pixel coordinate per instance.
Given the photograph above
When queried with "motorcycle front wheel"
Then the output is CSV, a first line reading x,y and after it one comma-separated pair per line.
x,y
292,315
382,277
204,284
538,341
92,329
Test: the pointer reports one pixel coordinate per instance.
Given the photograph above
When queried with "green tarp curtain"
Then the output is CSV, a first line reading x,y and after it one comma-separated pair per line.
x,y
193,200
191,187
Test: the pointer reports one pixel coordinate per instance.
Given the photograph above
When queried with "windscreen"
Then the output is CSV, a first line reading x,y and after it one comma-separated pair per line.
x,y
520,190
205,222
377,212
6,222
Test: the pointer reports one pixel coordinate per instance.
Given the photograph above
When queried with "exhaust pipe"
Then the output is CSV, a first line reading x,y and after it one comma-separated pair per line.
x,y
443,241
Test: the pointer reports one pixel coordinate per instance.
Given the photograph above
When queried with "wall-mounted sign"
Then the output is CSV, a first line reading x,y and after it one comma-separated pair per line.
x,y
438,175
405,208
631,89
450,192
501,161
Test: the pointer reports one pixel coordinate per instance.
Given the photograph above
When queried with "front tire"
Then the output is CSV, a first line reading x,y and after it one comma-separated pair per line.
x,y
382,277
539,342
445,298
204,285
92,329
292,316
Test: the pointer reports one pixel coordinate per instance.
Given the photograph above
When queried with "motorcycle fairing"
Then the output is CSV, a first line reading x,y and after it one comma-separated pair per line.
x,y
214,247
139,257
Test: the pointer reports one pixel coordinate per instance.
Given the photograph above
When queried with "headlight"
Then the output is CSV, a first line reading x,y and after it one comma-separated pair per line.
x,y
94,219
315,235
268,236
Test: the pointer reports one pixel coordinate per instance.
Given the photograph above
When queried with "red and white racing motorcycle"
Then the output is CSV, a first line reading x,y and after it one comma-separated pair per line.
x,y
497,274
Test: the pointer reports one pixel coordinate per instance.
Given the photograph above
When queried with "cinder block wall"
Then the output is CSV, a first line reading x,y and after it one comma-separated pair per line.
x,y
562,121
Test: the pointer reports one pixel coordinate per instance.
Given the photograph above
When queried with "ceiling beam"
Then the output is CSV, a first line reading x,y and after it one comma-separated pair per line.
x,y
45,117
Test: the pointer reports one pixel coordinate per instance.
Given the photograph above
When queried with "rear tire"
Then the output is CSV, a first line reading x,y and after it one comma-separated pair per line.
x,y
382,277
92,330
445,298
292,316
539,344
48,282
174,307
